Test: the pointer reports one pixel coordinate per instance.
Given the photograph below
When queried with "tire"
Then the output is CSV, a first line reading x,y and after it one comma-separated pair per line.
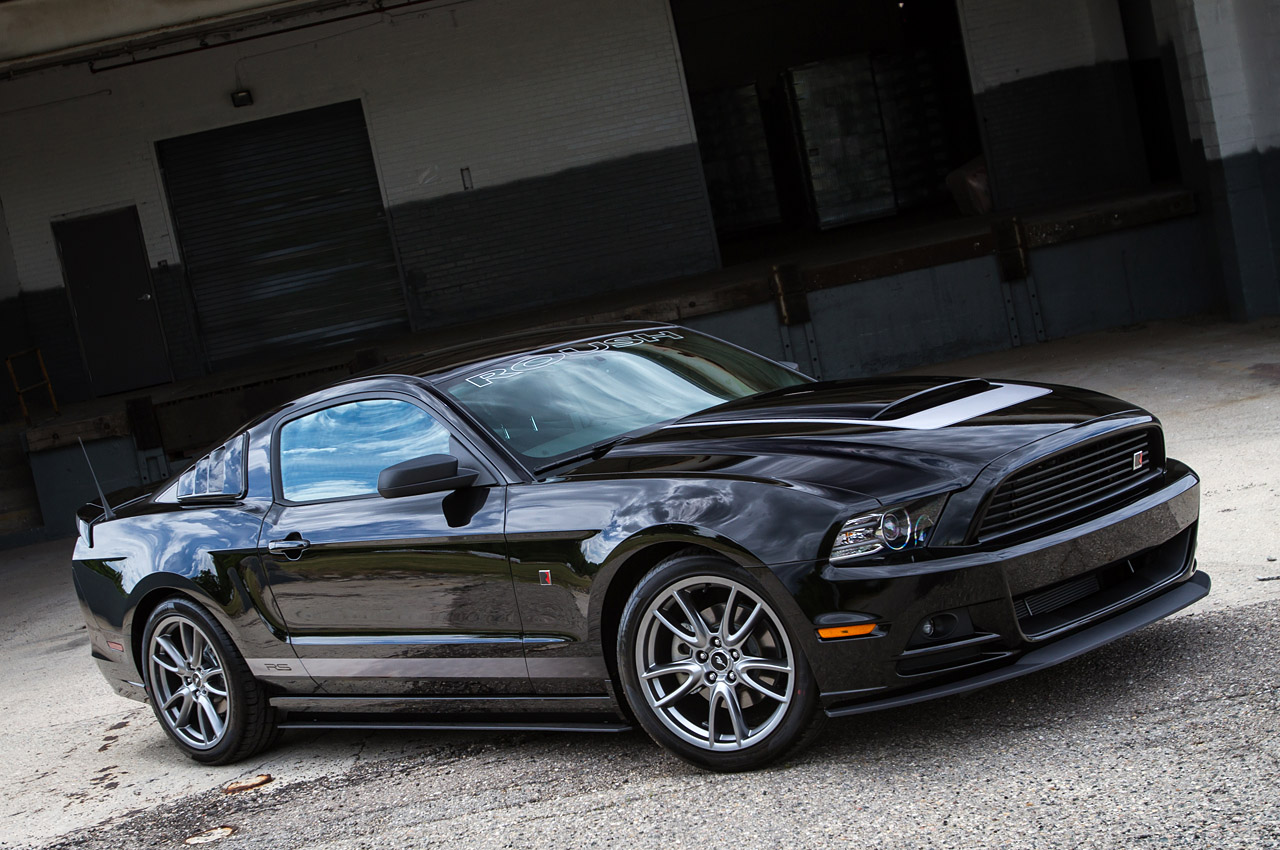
x,y
725,693
200,688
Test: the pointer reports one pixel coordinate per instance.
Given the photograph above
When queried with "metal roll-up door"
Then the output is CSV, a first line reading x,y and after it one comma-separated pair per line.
x,y
283,233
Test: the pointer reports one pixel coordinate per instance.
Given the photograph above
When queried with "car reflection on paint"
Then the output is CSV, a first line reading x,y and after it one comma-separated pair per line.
x,y
589,528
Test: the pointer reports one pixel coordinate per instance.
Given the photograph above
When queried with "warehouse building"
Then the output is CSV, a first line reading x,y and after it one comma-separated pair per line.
x,y
205,204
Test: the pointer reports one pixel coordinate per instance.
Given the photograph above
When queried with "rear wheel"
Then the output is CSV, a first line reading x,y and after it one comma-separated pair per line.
x,y
200,687
710,668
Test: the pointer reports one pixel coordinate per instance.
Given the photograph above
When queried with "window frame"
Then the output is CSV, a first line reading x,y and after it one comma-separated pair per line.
x,y
487,478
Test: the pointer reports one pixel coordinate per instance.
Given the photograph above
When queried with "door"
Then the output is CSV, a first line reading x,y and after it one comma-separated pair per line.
x,y
283,233
109,283
408,596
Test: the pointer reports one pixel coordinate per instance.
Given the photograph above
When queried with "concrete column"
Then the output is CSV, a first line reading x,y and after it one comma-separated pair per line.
x,y
1228,70
1054,98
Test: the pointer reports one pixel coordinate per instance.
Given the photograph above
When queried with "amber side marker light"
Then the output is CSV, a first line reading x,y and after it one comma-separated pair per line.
x,y
846,631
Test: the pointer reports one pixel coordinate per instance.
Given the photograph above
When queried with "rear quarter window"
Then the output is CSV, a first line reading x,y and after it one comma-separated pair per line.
x,y
221,473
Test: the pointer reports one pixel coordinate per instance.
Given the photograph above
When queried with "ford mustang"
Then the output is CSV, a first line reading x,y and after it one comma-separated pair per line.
x,y
604,526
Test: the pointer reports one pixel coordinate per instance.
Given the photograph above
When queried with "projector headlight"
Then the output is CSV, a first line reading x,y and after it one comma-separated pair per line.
x,y
895,529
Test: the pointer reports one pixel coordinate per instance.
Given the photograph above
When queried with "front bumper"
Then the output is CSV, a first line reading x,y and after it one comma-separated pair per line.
x,y
1077,643
1015,610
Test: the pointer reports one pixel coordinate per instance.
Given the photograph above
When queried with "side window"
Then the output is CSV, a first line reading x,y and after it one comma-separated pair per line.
x,y
218,474
339,451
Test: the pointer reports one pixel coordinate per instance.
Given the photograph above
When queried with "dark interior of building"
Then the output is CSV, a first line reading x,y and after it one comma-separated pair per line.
x,y
845,114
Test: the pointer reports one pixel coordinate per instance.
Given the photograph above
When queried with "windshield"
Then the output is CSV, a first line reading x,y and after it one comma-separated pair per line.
x,y
551,406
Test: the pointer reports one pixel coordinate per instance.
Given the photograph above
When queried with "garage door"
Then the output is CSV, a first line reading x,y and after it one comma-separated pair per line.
x,y
283,234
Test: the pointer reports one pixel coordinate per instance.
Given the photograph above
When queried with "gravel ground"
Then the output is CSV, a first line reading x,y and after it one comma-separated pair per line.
x,y
1168,737
1165,738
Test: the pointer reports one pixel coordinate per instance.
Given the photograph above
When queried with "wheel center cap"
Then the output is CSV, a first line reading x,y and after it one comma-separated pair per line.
x,y
720,662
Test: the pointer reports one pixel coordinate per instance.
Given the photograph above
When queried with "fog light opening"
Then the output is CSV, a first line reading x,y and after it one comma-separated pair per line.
x,y
938,627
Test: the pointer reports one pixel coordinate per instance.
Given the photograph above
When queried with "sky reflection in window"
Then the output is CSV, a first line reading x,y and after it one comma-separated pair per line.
x,y
338,452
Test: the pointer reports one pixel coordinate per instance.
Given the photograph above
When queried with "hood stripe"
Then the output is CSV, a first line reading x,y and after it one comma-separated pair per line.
x,y
999,397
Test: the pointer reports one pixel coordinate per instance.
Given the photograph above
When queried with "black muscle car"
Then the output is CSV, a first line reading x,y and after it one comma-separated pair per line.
x,y
608,525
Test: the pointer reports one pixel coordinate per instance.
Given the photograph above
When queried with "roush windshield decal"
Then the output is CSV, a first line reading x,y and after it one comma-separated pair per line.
x,y
540,361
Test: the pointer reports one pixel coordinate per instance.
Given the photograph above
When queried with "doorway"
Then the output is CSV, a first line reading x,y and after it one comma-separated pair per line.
x,y
817,115
104,263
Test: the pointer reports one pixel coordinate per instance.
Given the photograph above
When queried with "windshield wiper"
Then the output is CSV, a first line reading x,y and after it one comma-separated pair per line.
x,y
594,452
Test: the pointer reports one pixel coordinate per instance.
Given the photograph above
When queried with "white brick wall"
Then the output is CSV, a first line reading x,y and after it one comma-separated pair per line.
x,y
1229,62
507,88
1010,40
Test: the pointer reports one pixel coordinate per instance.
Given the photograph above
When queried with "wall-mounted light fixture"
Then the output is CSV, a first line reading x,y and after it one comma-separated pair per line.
x,y
242,97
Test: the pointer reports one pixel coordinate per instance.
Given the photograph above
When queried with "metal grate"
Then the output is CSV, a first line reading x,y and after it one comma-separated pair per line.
x,y
1056,597
1088,475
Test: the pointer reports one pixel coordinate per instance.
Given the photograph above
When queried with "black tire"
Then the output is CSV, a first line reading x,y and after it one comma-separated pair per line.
x,y
684,680
200,688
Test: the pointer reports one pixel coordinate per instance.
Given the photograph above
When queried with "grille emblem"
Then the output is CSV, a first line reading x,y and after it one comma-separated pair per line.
x,y
1140,459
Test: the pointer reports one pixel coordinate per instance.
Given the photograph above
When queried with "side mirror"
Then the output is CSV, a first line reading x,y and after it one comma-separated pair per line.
x,y
429,474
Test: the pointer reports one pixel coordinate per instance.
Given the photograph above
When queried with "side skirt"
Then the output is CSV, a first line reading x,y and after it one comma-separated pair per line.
x,y
458,725
502,713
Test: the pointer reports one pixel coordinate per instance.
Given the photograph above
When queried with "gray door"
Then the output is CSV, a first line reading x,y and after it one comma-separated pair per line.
x,y
283,233
108,279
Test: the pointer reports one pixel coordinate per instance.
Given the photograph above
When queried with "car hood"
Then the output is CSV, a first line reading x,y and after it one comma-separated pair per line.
x,y
880,438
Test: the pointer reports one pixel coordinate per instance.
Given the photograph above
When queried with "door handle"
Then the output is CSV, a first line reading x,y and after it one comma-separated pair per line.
x,y
146,296
291,548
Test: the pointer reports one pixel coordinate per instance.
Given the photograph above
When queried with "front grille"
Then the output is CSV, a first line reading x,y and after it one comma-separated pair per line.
x,y
1056,597
1049,610
1093,474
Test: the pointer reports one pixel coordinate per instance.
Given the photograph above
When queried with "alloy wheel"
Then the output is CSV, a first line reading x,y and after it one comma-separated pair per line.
x,y
715,664
189,682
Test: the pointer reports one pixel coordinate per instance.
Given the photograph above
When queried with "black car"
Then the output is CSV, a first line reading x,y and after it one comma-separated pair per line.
x,y
593,527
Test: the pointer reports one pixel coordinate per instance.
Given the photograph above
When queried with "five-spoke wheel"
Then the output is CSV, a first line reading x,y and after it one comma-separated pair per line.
x,y
709,666
200,687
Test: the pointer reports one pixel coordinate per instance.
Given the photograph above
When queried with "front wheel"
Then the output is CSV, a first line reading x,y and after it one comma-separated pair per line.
x,y
710,668
200,687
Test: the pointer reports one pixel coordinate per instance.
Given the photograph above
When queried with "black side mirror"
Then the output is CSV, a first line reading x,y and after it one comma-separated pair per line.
x,y
428,474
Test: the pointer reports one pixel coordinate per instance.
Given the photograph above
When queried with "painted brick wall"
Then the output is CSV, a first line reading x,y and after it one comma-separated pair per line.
x,y
1228,54
1011,40
1054,99
527,243
1228,58
514,90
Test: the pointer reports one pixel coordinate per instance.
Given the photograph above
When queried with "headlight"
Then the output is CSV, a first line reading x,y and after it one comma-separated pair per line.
x,y
893,529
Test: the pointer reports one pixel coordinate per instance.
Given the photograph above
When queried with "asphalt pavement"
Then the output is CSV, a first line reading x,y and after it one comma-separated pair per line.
x,y
1167,738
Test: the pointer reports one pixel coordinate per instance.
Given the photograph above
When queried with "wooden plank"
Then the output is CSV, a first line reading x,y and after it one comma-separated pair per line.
x,y
59,434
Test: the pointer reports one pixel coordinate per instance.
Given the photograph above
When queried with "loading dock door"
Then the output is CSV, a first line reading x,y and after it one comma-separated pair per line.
x,y
108,279
283,234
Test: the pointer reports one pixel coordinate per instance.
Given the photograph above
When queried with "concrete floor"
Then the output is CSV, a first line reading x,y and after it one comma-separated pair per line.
x,y
78,756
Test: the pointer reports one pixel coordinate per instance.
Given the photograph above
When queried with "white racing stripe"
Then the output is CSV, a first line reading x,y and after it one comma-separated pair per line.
x,y
999,397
